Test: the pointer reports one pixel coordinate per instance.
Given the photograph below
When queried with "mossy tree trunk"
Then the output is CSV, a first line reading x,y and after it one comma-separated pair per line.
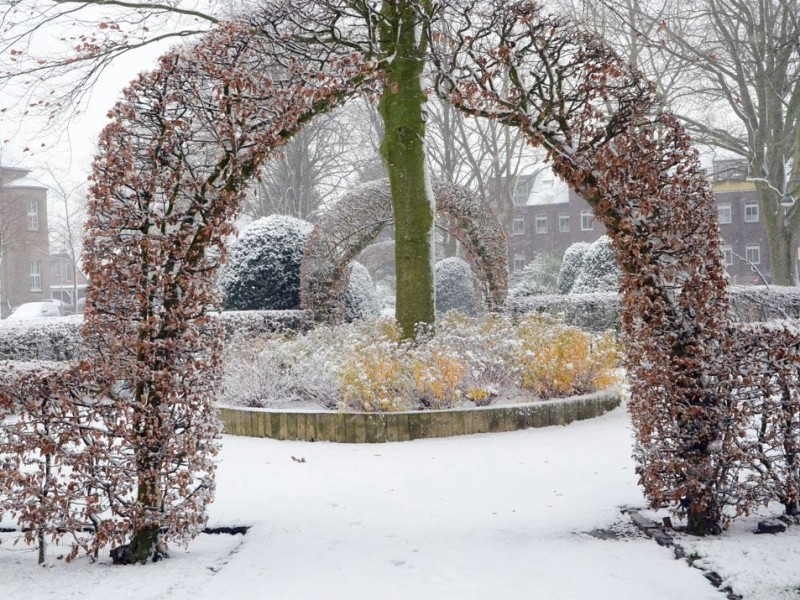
x,y
403,152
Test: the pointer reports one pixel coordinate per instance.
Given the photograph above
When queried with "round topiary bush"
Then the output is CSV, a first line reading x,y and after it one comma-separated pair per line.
x,y
360,299
455,287
263,270
571,266
599,271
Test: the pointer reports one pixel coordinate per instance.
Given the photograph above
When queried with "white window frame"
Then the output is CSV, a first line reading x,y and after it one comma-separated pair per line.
x,y
541,224
587,225
751,212
33,215
518,226
519,262
727,252
563,223
752,253
724,208
36,275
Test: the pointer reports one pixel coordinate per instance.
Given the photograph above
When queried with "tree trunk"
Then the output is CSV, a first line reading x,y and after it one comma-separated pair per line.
x,y
403,153
780,225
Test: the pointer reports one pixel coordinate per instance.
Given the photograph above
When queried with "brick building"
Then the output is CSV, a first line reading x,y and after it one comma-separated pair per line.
x,y
67,284
548,217
24,246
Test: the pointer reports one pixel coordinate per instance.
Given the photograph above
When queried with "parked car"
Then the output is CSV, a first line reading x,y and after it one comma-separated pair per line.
x,y
34,310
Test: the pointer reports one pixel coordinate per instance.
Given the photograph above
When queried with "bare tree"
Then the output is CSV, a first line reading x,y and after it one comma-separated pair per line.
x,y
731,70
318,164
66,226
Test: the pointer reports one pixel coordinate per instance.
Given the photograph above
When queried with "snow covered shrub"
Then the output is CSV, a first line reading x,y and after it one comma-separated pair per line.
x,y
360,298
599,271
366,367
42,339
263,270
455,287
593,312
538,277
570,266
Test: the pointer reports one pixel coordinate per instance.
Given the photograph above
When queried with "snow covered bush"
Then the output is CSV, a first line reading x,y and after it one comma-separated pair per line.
x,y
455,287
538,277
263,270
366,366
360,298
592,312
42,339
599,271
570,266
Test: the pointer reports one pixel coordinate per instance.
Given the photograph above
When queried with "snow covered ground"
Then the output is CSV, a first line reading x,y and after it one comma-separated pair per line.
x,y
495,516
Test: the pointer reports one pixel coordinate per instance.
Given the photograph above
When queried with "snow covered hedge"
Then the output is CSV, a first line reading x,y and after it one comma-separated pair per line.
x,y
360,298
42,339
60,339
263,269
599,312
598,271
455,287
570,266
593,312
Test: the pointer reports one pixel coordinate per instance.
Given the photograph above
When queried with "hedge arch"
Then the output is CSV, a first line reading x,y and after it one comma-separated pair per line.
x,y
170,175
357,219
611,141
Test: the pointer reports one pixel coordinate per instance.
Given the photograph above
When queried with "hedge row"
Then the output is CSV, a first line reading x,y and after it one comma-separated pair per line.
x,y
60,339
600,312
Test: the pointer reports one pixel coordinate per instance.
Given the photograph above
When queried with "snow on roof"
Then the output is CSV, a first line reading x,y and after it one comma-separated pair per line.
x,y
25,182
548,189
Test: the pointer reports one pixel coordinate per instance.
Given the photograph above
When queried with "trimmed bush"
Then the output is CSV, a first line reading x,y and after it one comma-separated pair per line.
x,y
360,298
599,272
263,270
455,287
571,266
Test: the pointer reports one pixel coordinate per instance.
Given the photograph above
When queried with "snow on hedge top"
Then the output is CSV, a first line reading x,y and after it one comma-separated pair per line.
x,y
571,266
455,286
263,272
599,271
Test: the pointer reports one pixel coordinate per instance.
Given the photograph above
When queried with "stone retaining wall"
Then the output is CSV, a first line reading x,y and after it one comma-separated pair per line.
x,y
359,428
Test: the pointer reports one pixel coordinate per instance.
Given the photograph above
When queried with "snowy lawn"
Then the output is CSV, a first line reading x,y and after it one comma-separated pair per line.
x,y
500,516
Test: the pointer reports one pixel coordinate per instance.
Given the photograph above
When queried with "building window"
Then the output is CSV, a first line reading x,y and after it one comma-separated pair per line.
x,y
55,269
725,214
68,273
523,190
36,276
727,252
33,215
541,223
587,220
751,212
563,223
519,262
753,254
518,226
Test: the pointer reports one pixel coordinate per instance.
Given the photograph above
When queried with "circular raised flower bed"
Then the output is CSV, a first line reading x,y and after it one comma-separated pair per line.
x,y
374,427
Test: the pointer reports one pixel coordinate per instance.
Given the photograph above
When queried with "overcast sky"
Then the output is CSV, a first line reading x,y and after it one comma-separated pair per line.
x,y
68,148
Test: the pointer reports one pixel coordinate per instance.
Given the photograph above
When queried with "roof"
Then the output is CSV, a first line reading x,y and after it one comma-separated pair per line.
x,y
548,189
25,182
